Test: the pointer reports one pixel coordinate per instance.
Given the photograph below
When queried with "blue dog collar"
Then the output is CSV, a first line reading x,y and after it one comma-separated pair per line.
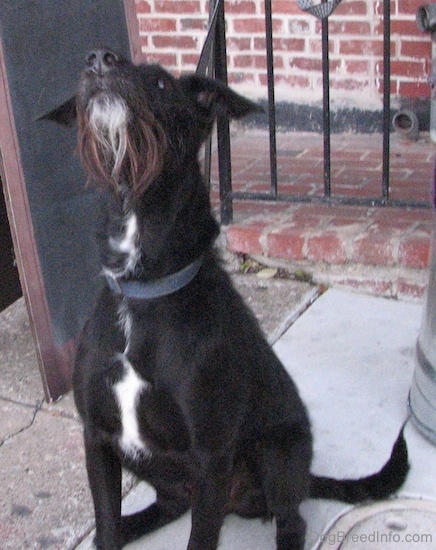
x,y
147,290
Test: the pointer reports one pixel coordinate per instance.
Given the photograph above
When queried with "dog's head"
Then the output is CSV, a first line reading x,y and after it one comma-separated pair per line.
x,y
135,121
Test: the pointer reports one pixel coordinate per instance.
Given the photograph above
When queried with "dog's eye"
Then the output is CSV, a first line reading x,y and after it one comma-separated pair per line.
x,y
162,84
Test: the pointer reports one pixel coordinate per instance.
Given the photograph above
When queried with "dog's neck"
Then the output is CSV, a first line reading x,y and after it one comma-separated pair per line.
x,y
164,231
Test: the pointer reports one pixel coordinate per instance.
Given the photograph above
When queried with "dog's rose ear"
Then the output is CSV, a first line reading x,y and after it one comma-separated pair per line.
x,y
214,96
65,114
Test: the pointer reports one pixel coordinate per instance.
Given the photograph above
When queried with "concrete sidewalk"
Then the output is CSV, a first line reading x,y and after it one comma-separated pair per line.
x,y
352,358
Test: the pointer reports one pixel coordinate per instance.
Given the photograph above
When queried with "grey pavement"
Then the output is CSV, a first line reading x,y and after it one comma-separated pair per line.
x,y
352,358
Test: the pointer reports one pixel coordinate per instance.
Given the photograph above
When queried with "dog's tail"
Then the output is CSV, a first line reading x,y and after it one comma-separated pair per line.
x,y
374,487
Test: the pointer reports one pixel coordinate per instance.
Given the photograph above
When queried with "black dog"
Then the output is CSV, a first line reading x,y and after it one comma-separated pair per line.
x,y
173,377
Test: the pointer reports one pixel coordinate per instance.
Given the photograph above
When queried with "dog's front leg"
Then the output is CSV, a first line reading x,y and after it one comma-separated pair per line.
x,y
209,499
104,474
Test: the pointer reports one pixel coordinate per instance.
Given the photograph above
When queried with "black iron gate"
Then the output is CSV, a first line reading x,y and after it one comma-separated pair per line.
x,y
213,58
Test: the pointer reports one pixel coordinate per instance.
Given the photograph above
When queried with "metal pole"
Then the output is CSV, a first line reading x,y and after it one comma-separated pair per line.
x,y
223,131
386,97
206,67
326,106
271,97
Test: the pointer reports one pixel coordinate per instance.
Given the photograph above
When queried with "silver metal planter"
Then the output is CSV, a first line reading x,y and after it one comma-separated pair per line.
x,y
422,398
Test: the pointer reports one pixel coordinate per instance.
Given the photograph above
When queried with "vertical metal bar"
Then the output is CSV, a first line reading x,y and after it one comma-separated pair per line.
x,y
386,97
223,131
326,105
207,50
207,162
207,67
271,97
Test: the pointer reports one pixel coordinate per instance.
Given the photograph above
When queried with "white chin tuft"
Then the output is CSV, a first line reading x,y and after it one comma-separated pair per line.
x,y
108,116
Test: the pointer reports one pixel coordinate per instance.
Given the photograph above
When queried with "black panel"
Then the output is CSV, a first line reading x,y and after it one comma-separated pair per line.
x,y
44,44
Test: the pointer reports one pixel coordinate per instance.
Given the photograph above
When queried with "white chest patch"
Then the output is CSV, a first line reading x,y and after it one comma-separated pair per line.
x,y
125,323
127,245
127,393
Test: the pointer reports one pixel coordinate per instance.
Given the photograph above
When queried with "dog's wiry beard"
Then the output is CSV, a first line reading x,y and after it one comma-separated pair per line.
x,y
108,122
116,150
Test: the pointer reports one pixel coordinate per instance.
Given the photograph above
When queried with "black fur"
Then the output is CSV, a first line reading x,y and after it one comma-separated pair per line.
x,y
222,423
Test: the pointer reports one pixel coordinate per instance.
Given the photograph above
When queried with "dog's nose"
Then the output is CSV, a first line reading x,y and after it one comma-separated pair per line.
x,y
101,61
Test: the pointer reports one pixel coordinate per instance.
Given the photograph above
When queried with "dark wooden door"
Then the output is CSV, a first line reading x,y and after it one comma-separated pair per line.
x,y
51,214
10,288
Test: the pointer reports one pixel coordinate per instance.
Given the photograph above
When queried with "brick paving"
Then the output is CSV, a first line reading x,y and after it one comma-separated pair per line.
x,y
383,250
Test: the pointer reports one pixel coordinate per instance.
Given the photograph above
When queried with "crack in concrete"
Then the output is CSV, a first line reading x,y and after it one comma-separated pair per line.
x,y
36,408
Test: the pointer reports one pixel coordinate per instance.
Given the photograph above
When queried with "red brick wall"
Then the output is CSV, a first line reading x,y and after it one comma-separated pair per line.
x,y
172,33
